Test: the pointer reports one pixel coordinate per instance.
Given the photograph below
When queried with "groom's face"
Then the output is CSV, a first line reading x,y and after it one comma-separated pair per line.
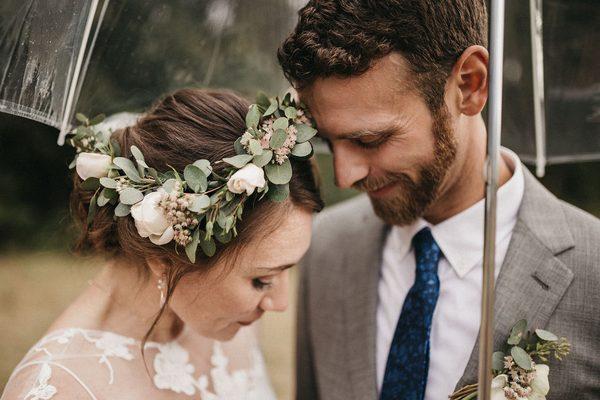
x,y
385,140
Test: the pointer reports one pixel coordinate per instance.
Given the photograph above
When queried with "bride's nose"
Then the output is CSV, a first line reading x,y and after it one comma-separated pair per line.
x,y
276,299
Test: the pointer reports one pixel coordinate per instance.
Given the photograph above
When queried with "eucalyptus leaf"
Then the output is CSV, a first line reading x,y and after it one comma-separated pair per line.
x,y
152,172
97,119
130,196
92,208
239,161
272,108
191,248
255,147
263,100
204,165
170,175
281,123
200,203
101,200
302,149
110,193
498,361
237,145
521,357
169,185
209,247
137,154
90,184
122,210
224,237
517,332
128,167
279,174
305,133
278,193
253,117
195,178
291,112
108,183
116,148
263,159
545,335
81,118
74,162
278,139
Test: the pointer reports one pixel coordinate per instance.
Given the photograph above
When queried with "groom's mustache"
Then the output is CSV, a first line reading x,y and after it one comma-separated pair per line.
x,y
371,184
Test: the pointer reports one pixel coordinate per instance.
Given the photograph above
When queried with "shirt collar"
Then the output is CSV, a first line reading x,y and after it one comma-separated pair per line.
x,y
461,237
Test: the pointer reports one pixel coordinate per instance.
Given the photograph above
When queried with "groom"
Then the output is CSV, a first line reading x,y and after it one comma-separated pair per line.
x,y
391,288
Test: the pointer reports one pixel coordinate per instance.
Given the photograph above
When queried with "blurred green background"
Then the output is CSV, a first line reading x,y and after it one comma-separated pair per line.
x,y
142,52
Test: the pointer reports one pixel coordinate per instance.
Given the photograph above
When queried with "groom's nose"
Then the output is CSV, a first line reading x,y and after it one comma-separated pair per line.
x,y
350,164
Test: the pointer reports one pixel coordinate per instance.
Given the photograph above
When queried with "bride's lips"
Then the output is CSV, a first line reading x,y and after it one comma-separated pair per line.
x,y
382,191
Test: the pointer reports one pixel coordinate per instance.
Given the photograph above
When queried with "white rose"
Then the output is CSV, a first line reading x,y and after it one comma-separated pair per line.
x,y
92,165
498,384
247,179
540,383
150,219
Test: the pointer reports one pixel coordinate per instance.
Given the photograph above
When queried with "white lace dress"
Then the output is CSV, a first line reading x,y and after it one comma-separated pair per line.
x,y
86,364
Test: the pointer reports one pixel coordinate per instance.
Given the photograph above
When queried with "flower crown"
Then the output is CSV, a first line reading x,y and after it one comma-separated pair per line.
x,y
197,206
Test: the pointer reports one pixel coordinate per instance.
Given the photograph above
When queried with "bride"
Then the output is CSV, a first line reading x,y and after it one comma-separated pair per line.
x,y
195,254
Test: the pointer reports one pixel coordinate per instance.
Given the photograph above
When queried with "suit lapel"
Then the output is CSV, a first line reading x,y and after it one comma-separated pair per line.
x,y
360,309
532,280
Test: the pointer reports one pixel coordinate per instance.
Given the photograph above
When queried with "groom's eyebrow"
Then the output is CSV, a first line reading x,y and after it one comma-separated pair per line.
x,y
383,131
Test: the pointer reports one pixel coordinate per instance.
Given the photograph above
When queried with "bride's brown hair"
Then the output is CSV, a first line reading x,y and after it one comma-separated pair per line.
x,y
185,126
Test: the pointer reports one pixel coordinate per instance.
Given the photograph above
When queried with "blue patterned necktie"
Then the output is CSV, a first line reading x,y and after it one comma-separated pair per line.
x,y
408,360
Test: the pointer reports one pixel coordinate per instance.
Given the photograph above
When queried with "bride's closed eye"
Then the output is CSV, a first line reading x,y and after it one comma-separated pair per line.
x,y
261,283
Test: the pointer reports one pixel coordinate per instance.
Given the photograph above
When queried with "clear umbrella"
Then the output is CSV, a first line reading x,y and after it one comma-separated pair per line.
x,y
58,56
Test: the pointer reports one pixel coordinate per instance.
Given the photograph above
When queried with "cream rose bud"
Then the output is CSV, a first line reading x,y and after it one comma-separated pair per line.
x,y
94,165
498,384
247,179
540,383
150,219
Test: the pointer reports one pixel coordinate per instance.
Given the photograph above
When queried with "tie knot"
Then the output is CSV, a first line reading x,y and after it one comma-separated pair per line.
x,y
427,252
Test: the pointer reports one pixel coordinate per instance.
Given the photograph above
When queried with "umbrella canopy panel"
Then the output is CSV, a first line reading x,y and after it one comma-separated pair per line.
x,y
571,57
39,45
145,49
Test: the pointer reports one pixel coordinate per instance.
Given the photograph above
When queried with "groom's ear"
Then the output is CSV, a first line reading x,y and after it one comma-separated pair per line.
x,y
470,74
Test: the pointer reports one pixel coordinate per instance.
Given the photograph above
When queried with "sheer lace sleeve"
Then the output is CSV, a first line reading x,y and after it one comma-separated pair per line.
x,y
84,364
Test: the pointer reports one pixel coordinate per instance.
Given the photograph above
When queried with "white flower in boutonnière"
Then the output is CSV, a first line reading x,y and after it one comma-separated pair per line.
x,y
92,165
150,219
247,179
519,384
516,375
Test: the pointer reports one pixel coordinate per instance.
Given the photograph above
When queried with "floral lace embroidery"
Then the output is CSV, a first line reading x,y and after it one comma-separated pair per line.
x,y
173,371
42,390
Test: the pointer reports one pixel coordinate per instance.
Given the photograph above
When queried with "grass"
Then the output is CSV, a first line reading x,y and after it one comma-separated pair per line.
x,y
35,288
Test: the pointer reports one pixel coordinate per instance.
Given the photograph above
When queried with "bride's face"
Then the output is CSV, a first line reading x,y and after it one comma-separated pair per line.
x,y
218,304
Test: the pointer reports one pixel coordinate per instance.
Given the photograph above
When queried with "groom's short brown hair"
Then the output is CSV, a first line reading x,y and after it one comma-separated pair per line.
x,y
344,37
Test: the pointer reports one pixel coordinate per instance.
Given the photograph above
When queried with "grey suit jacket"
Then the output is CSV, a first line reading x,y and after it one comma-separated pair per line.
x,y
550,276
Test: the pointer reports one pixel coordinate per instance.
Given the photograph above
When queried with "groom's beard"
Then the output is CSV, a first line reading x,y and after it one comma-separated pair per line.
x,y
412,198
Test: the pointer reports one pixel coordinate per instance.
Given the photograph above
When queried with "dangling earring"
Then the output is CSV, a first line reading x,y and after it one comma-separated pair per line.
x,y
161,289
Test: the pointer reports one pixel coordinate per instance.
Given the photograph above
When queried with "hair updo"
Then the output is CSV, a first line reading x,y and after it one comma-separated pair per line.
x,y
185,126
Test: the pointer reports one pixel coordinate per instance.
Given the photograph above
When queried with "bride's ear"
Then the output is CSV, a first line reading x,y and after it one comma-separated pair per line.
x,y
157,266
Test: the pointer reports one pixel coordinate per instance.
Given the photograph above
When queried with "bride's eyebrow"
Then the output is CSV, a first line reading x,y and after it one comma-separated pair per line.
x,y
280,268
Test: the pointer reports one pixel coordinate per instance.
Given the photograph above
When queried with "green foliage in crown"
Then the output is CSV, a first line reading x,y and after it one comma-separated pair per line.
x,y
196,207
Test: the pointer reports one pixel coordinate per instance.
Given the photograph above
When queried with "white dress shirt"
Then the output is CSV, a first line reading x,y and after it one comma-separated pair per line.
x,y
456,318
